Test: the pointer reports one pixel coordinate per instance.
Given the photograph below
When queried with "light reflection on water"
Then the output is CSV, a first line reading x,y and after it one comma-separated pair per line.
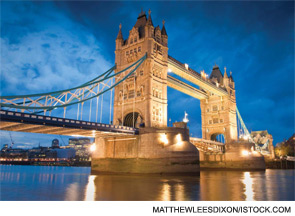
x,y
76,183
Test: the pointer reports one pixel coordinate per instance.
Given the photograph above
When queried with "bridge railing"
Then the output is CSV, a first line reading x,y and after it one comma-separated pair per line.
x,y
208,146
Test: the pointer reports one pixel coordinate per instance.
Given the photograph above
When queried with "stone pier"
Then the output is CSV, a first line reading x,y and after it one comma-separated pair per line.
x,y
153,151
238,155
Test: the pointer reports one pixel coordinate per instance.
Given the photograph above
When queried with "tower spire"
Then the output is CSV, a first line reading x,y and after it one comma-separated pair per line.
x,y
225,74
163,32
120,35
149,21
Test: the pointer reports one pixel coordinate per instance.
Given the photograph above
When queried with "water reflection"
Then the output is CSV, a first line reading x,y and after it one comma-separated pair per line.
x,y
90,189
74,183
248,186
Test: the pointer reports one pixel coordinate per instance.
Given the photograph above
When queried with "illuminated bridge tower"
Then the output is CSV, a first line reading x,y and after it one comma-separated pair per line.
x,y
219,113
142,99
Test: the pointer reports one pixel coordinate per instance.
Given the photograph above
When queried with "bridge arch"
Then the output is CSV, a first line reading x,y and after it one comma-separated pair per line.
x,y
128,118
219,137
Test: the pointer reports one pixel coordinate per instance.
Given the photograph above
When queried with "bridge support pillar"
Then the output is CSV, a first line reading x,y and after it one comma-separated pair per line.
x,y
153,151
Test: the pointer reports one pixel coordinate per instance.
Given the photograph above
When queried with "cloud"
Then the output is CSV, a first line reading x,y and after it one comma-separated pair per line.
x,y
57,54
43,50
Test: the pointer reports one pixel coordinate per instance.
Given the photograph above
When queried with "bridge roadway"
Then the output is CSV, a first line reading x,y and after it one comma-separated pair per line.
x,y
185,88
192,76
24,122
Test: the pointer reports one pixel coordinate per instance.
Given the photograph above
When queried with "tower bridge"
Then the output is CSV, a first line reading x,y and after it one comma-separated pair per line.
x,y
140,140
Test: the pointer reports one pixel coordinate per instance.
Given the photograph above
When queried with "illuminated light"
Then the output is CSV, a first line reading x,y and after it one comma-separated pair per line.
x,y
248,182
245,153
169,70
93,147
246,137
185,119
178,140
186,66
163,139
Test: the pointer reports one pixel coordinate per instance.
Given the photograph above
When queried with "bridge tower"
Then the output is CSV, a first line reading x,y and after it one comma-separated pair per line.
x,y
219,113
142,98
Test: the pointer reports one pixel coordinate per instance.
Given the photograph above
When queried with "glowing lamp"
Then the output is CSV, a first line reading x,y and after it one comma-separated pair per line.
x,y
186,66
245,153
178,140
93,147
164,139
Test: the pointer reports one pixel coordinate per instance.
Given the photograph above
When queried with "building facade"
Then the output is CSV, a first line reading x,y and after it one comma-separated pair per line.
x,y
142,98
219,113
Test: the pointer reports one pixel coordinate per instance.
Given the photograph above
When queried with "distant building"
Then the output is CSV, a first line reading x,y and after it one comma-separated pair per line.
x,y
264,141
55,143
68,153
82,146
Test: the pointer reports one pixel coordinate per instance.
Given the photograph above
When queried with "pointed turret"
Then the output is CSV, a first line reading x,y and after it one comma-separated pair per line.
x,y
216,74
163,31
149,20
119,39
231,77
225,74
120,35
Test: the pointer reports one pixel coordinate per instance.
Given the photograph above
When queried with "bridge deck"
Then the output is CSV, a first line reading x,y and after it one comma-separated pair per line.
x,y
24,122
191,75
185,88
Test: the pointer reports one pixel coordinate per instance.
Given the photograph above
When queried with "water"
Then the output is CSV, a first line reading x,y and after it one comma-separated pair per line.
x,y
76,183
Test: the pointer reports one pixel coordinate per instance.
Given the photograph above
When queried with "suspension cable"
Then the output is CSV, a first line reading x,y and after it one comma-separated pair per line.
x,y
78,111
90,110
80,101
111,102
97,98
101,108
134,96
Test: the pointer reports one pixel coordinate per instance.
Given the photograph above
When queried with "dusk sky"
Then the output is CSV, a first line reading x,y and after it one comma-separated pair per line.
x,y
48,46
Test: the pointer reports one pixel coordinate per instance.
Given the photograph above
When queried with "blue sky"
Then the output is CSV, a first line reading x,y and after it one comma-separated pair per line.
x,y
55,45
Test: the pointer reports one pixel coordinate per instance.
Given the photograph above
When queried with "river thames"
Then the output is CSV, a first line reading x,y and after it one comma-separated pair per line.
x,y
37,183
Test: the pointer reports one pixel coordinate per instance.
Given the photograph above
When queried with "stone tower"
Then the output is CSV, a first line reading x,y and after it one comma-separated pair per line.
x,y
142,98
219,113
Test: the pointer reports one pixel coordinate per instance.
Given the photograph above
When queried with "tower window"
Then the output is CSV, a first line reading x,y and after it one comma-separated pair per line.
x,y
215,120
141,73
215,108
135,50
127,53
131,41
221,120
210,121
208,110
135,39
139,49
